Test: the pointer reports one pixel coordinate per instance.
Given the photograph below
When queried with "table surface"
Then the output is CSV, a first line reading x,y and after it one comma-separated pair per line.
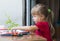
x,y
23,38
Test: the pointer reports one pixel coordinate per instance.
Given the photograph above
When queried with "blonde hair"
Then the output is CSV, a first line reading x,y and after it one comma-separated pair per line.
x,y
42,9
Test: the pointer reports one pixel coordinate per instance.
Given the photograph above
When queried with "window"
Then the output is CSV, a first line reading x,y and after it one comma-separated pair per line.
x,y
28,5
13,9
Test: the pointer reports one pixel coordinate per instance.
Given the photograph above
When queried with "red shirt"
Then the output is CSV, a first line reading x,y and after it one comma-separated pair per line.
x,y
44,30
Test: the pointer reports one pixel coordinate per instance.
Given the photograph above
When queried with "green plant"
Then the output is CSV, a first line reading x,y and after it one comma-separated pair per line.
x,y
10,23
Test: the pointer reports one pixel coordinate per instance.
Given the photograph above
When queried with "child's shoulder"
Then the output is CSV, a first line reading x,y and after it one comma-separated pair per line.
x,y
42,23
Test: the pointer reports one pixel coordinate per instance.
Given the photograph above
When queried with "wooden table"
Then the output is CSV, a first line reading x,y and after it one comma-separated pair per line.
x,y
24,38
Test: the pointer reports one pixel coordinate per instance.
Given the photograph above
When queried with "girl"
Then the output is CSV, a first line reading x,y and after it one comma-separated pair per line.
x,y
41,17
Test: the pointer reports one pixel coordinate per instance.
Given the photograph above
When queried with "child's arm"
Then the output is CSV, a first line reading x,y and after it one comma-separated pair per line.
x,y
27,28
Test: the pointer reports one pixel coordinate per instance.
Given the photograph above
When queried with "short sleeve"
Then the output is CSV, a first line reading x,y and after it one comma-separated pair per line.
x,y
40,26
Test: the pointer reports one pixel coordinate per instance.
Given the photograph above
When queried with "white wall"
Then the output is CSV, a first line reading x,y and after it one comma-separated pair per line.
x,y
12,8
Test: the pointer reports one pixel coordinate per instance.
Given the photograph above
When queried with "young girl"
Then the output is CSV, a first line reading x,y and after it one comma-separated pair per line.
x,y
41,17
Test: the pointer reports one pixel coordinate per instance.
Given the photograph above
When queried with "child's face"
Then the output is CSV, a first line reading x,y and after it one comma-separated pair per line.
x,y
38,18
